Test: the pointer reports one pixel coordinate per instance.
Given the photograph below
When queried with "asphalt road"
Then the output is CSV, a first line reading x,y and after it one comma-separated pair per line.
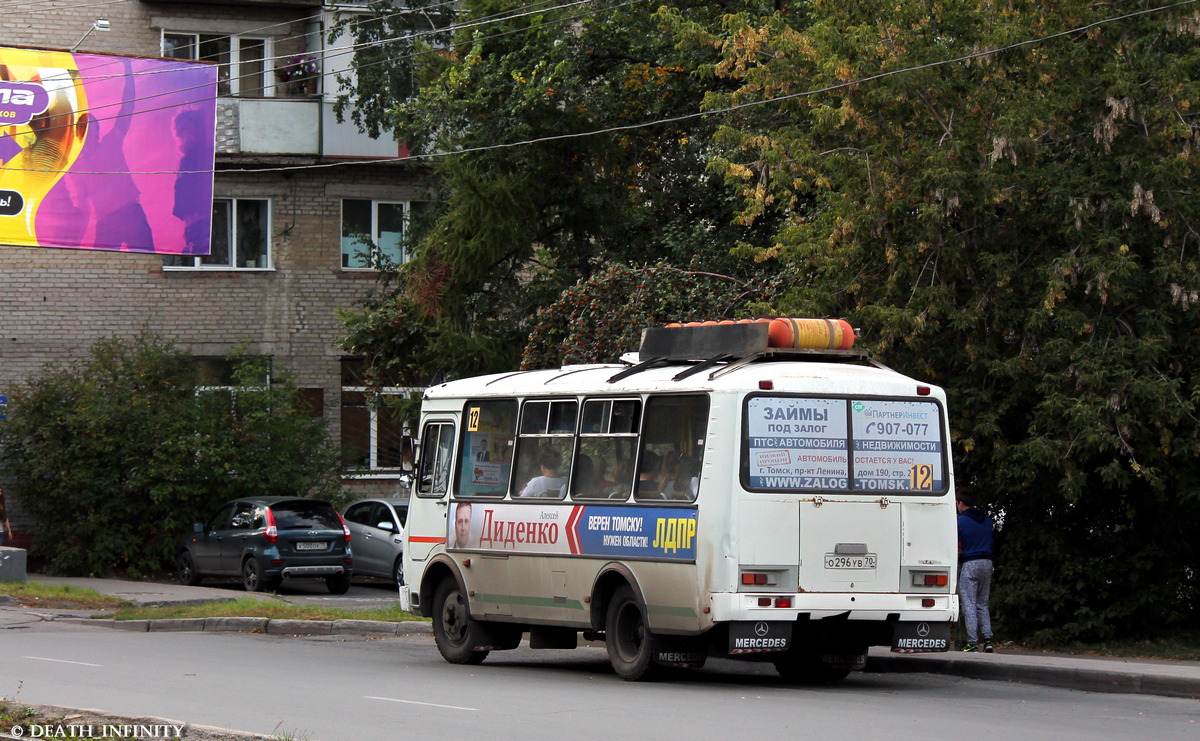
x,y
361,689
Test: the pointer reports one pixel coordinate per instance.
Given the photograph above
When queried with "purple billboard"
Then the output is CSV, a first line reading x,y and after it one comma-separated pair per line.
x,y
106,153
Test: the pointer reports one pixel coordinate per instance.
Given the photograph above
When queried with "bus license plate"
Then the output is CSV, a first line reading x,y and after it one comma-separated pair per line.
x,y
857,561
310,546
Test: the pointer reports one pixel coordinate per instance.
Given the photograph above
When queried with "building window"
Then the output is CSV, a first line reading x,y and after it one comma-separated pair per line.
x,y
373,429
244,62
241,237
373,232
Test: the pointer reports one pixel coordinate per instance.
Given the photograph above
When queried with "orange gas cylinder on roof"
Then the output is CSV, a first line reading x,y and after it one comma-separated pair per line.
x,y
788,332
815,334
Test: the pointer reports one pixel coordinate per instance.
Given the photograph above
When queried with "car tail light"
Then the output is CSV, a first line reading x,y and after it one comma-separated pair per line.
x,y
345,528
271,534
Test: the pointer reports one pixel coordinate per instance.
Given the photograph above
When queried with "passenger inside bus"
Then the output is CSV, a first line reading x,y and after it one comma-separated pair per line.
x,y
685,483
648,474
549,483
586,484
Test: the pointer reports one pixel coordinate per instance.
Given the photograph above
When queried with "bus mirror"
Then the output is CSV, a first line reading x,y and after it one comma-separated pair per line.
x,y
408,448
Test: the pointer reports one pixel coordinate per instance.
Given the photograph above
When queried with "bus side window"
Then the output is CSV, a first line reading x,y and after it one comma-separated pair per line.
x,y
437,446
607,443
672,450
544,449
485,454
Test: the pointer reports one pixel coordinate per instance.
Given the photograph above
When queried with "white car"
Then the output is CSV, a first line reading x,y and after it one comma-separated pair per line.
x,y
377,536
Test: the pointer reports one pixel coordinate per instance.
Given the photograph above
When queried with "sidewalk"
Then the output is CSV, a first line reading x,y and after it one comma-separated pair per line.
x,y
1084,673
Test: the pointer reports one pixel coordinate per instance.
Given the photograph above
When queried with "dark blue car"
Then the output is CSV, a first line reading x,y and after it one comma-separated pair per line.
x,y
264,540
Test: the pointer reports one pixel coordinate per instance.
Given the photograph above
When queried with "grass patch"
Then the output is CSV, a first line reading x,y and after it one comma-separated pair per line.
x,y
247,607
35,594
1182,646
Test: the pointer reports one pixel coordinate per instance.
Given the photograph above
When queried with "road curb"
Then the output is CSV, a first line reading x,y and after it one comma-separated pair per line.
x,y
1091,679
261,625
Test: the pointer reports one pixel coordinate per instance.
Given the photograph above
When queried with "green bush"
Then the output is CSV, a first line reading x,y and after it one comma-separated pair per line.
x,y
115,456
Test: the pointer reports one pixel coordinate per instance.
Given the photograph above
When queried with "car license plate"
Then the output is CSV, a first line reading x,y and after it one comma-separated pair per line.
x,y
310,545
857,561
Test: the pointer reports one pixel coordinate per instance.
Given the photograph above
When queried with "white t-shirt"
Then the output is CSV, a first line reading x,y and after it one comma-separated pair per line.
x,y
543,486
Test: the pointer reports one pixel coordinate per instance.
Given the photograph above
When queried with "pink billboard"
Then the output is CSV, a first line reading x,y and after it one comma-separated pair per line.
x,y
106,153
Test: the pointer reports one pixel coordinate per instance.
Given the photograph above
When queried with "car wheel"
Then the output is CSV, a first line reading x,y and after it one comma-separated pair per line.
x,y
398,571
628,640
186,570
454,631
338,583
252,579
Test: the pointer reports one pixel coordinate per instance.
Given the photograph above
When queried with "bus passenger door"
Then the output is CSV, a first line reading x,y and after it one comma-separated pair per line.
x,y
428,509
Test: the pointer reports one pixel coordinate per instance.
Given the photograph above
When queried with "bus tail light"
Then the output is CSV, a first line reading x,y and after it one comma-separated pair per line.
x,y
784,602
927,579
758,578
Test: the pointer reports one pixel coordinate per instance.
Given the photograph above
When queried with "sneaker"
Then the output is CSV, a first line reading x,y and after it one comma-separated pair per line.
x,y
987,647
970,648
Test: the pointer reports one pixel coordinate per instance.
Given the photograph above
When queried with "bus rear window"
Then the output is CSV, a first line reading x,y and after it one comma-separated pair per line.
x,y
849,445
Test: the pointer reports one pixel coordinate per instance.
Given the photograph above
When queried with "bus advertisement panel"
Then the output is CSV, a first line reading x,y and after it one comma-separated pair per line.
x,y
897,446
662,533
796,443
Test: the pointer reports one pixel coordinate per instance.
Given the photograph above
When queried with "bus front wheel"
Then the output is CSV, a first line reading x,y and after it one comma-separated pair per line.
x,y
628,640
454,631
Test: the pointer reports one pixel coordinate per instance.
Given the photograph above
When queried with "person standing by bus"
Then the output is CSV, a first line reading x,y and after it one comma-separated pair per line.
x,y
975,574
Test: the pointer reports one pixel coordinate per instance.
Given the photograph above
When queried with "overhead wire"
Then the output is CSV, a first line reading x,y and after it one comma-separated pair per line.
x,y
325,55
682,117
208,85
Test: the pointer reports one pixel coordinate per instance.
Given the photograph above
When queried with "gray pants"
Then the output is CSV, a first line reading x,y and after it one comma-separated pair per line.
x,y
974,588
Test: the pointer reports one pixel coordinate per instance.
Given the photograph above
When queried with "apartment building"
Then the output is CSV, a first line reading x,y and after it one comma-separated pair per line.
x,y
295,195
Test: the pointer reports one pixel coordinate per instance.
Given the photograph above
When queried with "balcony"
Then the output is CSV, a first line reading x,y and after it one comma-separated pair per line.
x,y
295,126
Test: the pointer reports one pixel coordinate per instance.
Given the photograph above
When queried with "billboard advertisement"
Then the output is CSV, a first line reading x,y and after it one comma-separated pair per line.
x,y
106,153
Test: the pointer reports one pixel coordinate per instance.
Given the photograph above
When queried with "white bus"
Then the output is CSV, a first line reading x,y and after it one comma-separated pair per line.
x,y
712,496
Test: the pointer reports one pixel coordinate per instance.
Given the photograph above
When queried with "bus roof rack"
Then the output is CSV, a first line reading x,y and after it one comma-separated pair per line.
x,y
751,340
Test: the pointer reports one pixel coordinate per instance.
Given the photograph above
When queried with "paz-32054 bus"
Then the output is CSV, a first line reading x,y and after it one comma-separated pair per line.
x,y
716,495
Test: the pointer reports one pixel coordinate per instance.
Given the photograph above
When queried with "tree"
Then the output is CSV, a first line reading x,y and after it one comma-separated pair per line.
x,y
522,222
1019,226
117,454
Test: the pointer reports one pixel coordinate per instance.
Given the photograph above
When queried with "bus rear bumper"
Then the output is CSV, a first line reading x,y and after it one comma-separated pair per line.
x,y
772,606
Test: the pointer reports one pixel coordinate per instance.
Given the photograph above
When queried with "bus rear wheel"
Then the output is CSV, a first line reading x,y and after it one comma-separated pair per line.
x,y
454,631
808,668
628,639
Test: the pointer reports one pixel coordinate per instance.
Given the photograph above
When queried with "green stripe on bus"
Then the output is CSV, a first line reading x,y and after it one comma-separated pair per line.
x,y
510,599
670,611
